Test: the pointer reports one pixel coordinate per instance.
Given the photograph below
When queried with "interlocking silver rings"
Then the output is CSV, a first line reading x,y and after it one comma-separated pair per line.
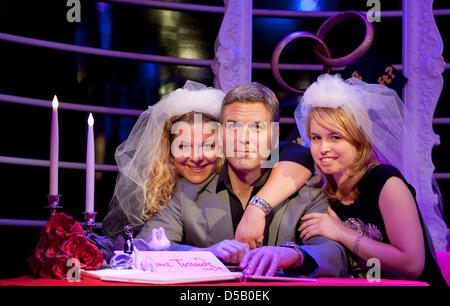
x,y
358,52
320,47
277,51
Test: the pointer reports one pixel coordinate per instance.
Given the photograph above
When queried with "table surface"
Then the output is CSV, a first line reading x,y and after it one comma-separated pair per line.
x,y
30,281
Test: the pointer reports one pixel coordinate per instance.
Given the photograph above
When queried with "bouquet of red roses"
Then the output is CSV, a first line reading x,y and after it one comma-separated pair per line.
x,y
61,239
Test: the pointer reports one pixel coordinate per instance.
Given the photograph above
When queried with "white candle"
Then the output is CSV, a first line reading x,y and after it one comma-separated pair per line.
x,y
90,166
54,149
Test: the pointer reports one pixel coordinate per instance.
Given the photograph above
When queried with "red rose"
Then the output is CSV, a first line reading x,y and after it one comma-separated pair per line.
x,y
42,246
54,267
73,243
54,247
35,264
62,238
61,224
90,257
77,246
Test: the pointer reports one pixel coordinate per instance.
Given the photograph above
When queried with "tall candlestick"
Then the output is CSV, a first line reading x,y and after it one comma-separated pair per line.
x,y
54,149
90,166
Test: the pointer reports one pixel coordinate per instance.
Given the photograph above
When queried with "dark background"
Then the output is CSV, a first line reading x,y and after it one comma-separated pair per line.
x,y
41,73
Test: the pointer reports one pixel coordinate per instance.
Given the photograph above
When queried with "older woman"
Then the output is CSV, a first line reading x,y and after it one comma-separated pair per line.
x,y
174,137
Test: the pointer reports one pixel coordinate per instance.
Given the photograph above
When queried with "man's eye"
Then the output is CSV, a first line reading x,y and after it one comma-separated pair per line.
x,y
209,146
257,125
233,125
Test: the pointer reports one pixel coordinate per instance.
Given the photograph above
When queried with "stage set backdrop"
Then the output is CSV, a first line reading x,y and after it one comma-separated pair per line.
x,y
114,58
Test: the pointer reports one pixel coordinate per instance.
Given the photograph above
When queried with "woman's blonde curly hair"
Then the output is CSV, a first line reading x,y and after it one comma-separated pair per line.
x,y
163,175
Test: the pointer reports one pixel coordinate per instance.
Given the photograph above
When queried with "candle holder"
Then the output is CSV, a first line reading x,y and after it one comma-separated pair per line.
x,y
89,221
53,203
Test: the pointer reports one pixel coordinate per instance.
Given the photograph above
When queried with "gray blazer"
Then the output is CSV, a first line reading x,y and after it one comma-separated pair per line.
x,y
198,216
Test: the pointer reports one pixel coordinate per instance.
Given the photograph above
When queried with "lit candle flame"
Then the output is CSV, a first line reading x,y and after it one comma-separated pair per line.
x,y
55,102
91,120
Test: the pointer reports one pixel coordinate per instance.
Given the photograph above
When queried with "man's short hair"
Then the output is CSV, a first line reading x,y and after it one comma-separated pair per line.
x,y
253,92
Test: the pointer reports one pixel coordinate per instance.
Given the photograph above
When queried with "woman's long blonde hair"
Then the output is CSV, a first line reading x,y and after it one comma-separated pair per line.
x,y
337,120
163,175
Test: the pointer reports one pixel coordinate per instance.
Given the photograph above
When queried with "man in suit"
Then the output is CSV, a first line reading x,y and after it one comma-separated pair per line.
x,y
205,216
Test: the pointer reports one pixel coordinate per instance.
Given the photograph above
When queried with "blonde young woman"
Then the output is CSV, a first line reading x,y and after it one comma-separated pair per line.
x,y
355,131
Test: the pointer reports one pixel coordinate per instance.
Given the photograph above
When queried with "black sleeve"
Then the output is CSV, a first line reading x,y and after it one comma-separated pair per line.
x,y
380,174
309,264
296,153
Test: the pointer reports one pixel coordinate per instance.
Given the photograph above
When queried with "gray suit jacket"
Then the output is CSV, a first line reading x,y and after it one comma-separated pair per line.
x,y
198,216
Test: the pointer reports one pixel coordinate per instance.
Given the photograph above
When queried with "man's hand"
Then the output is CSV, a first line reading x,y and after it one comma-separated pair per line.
x,y
251,227
267,260
229,251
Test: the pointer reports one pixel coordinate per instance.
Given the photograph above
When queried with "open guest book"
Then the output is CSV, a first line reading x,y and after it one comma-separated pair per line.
x,y
177,267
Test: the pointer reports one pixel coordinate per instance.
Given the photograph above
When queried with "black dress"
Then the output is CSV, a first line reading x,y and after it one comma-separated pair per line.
x,y
365,216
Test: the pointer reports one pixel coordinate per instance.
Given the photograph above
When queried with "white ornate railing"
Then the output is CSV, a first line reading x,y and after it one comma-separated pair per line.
x,y
423,65
233,47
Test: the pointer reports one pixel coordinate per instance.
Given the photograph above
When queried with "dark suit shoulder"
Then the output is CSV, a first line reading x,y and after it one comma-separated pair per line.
x,y
314,193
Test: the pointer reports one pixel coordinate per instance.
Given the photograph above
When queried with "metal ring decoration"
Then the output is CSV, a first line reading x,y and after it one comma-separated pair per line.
x,y
358,52
320,47
277,51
